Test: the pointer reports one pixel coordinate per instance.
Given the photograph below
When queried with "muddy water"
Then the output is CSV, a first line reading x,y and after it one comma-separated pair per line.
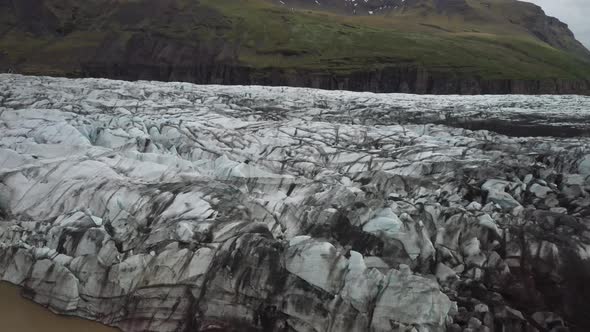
x,y
20,315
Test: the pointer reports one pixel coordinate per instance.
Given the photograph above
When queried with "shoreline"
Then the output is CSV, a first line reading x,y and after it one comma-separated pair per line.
x,y
21,314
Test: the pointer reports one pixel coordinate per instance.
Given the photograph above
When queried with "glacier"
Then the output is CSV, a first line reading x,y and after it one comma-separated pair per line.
x,y
156,206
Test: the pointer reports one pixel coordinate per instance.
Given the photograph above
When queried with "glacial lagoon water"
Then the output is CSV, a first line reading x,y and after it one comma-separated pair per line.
x,y
18,314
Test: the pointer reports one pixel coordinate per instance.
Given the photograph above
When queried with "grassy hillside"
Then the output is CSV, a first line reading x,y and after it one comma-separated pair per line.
x,y
259,34
321,40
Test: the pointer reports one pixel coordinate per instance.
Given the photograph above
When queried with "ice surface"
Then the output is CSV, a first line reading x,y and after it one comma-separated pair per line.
x,y
142,203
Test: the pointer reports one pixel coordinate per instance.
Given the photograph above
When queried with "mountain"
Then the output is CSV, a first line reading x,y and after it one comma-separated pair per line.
x,y
422,46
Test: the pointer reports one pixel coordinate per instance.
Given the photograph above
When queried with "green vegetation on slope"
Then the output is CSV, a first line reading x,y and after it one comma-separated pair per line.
x,y
262,35
325,41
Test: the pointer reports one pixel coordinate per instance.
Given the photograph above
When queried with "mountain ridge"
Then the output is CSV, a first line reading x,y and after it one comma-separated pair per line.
x,y
453,46
527,15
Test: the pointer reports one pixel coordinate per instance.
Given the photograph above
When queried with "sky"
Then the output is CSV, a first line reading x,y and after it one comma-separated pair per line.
x,y
576,13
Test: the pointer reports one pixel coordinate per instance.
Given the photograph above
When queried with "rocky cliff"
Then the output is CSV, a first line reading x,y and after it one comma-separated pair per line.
x,y
393,79
178,207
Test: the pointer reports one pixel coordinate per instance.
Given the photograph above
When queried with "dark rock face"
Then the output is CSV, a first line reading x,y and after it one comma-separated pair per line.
x,y
402,79
33,16
179,207
548,29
